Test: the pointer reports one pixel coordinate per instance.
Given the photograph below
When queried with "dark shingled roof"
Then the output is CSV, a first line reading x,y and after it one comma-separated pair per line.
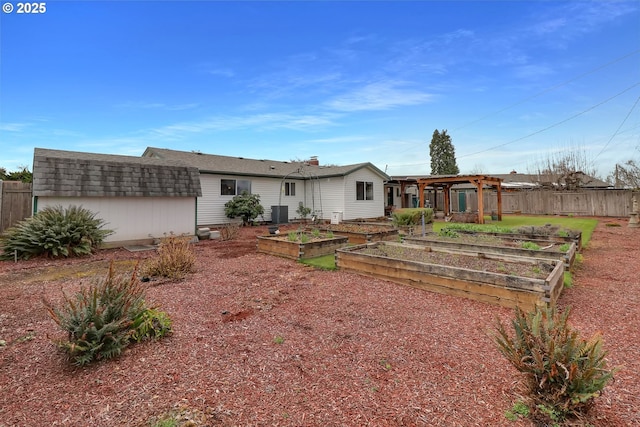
x,y
75,174
227,165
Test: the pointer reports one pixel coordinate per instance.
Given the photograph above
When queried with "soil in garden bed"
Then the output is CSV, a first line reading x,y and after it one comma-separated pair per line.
x,y
357,228
539,270
493,240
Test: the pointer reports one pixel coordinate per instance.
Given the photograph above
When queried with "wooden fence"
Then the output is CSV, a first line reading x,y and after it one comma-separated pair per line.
x,y
15,203
612,203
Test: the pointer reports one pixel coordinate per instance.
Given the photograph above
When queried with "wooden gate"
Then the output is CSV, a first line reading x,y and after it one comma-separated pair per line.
x,y
15,203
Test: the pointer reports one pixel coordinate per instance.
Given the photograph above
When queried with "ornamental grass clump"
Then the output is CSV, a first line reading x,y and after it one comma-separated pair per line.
x,y
563,372
412,216
56,232
104,318
175,259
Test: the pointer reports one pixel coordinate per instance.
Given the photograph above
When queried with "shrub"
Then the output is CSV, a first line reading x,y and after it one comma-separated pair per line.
x,y
102,319
175,259
55,231
246,206
150,324
412,216
229,231
563,372
302,210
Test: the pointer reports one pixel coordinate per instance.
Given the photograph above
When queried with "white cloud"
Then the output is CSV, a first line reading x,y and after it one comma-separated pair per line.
x,y
223,72
136,105
13,127
381,95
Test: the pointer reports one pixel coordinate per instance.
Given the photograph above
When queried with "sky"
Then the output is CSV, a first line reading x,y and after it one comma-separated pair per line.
x,y
514,83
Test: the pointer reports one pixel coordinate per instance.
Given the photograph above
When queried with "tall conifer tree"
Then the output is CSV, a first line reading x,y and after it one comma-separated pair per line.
x,y
443,155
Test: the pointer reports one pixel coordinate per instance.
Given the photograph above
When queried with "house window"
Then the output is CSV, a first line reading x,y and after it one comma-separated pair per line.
x,y
364,190
231,187
289,188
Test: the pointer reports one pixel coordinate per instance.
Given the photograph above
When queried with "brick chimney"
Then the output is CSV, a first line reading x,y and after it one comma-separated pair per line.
x,y
314,161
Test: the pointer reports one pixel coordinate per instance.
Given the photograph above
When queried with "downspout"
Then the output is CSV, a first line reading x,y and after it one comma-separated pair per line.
x,y
196,215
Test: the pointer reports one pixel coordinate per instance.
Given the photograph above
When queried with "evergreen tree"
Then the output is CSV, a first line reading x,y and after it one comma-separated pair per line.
x,y
443,155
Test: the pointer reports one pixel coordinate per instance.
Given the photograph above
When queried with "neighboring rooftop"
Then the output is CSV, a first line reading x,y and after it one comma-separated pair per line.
x,y
77,174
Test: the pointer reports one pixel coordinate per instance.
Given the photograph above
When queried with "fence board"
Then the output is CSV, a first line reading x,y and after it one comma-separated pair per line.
x,y
15,203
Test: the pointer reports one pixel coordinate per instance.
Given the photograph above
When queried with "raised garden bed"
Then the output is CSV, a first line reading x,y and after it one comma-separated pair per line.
x,y
488,278
535,234
507,247
303,247
359,233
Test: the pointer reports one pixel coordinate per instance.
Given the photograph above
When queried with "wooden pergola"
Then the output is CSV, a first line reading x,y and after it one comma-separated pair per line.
x,y
447,181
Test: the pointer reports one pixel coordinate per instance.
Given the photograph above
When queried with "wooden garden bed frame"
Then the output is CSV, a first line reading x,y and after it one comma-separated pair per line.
x,y
494,288
280,246
508,252
533,237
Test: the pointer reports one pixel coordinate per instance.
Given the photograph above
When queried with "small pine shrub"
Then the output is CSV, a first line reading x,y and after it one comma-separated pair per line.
x,y
56,232
175,259
563,372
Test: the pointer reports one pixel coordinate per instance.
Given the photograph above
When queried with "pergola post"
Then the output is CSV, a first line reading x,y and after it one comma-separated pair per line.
x,y
479,185
499,190
447,199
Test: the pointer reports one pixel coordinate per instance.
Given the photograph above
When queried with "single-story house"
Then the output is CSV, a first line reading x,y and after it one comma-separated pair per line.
x,y
140,198
331,192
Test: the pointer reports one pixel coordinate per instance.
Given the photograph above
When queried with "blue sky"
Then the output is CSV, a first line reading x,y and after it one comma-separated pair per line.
x,y
349,82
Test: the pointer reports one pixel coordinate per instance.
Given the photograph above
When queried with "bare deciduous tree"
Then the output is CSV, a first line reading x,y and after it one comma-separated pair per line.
x,y
567,169
626,175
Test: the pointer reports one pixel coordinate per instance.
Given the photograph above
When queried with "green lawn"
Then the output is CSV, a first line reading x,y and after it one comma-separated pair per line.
x,y
325,262
586,225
